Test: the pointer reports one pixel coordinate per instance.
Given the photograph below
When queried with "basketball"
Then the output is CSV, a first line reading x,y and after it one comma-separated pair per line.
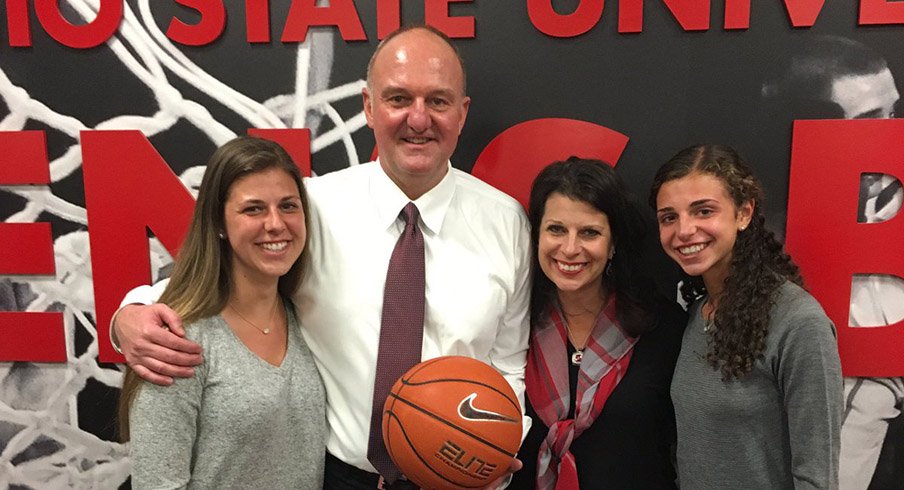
x,y
452,422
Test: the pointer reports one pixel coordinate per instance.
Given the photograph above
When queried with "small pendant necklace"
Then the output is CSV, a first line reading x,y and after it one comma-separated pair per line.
x,y
709,318
265,331
578,355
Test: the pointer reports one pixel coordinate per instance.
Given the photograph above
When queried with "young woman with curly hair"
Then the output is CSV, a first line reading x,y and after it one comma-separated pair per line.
x,y
757,386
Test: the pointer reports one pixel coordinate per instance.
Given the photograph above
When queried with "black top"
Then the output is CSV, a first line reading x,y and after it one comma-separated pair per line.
x,y
630,444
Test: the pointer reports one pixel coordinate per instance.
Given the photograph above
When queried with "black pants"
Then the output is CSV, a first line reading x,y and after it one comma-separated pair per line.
x,y
343,476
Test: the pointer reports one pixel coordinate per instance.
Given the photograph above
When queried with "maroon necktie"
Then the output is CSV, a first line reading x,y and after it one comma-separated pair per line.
x,y
401,330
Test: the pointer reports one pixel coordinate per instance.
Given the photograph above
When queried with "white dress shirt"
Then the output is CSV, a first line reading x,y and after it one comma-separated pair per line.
x,y
476,248
477,254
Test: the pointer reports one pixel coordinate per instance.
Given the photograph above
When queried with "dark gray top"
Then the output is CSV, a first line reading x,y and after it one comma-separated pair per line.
x,y
240,422
777,427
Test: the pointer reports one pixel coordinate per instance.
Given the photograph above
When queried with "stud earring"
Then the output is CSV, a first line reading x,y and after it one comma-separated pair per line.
x,y
221,235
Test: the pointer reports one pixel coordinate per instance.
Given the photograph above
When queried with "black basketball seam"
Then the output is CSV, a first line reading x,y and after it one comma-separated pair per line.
x,y
514,403
424,463
450,424
423,365
388,411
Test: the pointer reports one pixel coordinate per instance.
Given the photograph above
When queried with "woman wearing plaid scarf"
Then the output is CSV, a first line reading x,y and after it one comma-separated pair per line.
x,y
602,353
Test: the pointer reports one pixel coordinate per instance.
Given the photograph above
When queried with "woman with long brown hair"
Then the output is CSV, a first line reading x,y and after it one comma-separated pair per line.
x,y
757,386
258,396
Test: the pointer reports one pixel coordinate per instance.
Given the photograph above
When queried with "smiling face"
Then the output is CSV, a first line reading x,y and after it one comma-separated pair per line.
x,y
416,106
575,243
264,222
699,224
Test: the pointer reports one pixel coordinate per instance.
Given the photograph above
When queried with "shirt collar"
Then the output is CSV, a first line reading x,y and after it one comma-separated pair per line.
x,y
432,206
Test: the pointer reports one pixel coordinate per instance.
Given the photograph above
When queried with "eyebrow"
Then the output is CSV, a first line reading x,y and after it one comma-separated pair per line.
x,y
869,114
699,202
389,89
395,89
261,201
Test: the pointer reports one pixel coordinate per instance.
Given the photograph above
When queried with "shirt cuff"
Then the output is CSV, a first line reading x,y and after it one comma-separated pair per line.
x,y
114,340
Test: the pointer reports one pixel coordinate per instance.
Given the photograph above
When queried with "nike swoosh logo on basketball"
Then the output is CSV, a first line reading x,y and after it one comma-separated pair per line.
x,y
468,412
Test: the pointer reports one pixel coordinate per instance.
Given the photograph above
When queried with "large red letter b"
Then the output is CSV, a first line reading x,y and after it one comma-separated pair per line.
x,y
828,243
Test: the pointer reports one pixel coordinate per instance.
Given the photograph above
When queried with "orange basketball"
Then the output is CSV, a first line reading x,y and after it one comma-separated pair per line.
x,y
452,422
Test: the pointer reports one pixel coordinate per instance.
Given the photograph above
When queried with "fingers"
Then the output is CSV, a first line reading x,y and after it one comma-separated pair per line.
x,y
176,350
169,318
165,347
163,368
159,364
151,377
515,466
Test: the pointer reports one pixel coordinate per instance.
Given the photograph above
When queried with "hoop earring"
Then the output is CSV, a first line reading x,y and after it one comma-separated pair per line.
x,y
608,270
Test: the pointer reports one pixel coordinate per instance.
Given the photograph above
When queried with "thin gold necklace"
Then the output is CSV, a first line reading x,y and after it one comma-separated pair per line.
x,y
574,341
265,331
578,355
585,310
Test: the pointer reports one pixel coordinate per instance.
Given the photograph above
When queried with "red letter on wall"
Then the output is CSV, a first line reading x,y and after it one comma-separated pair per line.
x,y
512,160
27,248
85,36
305,13
128,189
211,25
296,142
389,17
436,14
549,22
693,15
737,14
881,12
257,20
17,23
803,13
825,239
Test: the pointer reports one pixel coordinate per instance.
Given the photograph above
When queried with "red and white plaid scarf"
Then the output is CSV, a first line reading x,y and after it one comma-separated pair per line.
x,y
605,361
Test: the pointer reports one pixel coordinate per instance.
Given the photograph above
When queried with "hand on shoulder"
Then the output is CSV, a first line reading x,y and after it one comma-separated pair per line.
x,y
152,340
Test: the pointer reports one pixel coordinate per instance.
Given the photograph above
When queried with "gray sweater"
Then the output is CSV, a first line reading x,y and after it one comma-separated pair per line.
x,y
775,428
240,422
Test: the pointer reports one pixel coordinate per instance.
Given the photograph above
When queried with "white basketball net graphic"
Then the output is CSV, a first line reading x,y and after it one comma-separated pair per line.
x,y
41,444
